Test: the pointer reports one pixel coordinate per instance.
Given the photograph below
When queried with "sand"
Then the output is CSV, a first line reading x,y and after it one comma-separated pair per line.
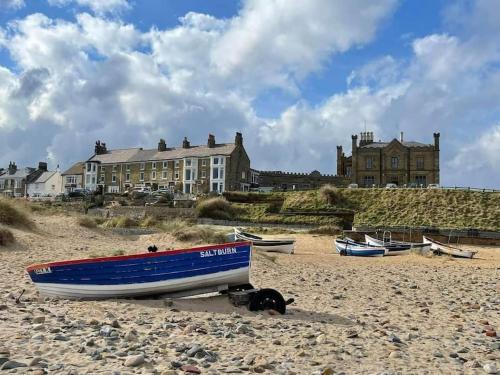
x,y
392,315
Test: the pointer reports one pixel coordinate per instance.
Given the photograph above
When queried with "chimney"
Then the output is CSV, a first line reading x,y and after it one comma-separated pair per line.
x,y
100,148
12,167
211,141
401,138
42,166
162,145
238,139
339,161
354,142
436,141
185,143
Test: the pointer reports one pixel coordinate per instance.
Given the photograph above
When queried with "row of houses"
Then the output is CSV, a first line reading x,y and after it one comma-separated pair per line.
x,y
217,167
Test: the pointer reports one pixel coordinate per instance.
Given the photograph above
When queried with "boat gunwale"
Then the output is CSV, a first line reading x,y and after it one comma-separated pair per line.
x,y
449,246
115,258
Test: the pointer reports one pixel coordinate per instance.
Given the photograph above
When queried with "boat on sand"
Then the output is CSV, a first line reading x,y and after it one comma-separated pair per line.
x,y
442,248
286,246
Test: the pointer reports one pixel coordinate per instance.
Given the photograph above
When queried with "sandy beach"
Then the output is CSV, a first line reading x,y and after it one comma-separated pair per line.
x,y
392,315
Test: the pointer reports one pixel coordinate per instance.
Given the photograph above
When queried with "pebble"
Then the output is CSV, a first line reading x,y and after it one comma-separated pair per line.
x,y
134,360
321,339
490,368
395,354
191,369
12,365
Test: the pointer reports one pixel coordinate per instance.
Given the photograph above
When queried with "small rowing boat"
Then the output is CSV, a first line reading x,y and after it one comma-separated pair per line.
x,y
396,247
217,266
441,248
352,248
286,246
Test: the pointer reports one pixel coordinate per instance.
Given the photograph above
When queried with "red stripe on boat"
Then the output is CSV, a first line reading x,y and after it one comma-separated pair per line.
x,y
136,256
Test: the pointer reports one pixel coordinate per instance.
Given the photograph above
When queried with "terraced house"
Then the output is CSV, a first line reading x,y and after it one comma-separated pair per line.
x,y
397,162
188,169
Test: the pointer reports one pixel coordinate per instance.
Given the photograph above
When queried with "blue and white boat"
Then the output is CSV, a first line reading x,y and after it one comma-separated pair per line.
x,y
219,267
352,248
397,247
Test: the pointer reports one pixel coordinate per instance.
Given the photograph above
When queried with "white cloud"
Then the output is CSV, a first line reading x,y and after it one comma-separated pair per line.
x,y
11,4
100,7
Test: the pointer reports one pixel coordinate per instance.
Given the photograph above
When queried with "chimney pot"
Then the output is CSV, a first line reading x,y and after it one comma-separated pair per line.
x,y
401,138
238,139
211,141
162,145
185,143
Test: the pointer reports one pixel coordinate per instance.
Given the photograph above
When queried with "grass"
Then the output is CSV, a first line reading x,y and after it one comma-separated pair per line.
x,y
330,194
120,222
87,222
199,234
13,214
328,230
215,208
6,237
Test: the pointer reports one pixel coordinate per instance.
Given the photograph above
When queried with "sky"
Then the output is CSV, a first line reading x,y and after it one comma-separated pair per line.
x,y
297,78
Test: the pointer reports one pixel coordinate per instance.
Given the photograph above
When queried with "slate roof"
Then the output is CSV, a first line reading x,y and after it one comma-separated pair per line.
x,y
20,173
385,144
133,155
76,168
44,177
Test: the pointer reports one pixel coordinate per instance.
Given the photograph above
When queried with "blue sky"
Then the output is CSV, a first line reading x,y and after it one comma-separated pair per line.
x,y
297,78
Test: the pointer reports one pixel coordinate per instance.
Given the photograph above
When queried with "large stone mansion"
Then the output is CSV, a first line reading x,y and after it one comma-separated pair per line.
x,y
398,161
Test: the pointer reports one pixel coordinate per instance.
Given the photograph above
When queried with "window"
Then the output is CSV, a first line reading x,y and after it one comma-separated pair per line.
x,y
153,165
114,168
71,179
188,162
143,165
221,172
176,164
127,167
188,174
127,177
203,174
93,180
369,181
153,175
215,174
215,186
394,162
89,167
113,189
176,175
420,163
93,167
369,162
87,179
103,169
221,161
216,160
102,177
243,175
204,163
141,176
165,164
164,175
187,188
421,180
113,178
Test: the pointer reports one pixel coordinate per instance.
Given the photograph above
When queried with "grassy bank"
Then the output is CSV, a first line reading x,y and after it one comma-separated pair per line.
x,y
381,208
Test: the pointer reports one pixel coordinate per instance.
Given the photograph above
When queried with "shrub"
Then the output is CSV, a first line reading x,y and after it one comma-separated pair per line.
x,y
12,215
330,194
199,234
120,222
172,225
274,207
215,208
148,222
87,222
6,237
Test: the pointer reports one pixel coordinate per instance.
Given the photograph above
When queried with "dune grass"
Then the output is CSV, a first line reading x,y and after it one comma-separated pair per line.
x,y
215,208
87,222
13,214
6,236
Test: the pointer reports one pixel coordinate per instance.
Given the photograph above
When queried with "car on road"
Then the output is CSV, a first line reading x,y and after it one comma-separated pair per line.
x,y
352,186
433,186
391,186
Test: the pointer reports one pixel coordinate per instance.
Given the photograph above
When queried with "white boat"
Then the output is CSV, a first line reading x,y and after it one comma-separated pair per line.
x,y
397,247
216,267
352,248
286,246
441,248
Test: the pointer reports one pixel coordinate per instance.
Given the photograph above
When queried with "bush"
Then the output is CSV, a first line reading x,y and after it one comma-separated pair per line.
x,y
12,215
6,237
215,208
120,222
172,225
198,234
148,222
87,222
330,194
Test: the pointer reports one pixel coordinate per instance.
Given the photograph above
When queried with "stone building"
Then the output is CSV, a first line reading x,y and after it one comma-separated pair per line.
x,y
72,178
399,162
188,169
14,180
278,180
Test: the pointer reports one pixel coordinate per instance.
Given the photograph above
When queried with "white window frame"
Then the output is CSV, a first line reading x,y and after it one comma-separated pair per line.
x,y
113,177
141,176
204,163
127,167
203,174
165,165
127,177
176,163
153,175
153,165
164,175
143,166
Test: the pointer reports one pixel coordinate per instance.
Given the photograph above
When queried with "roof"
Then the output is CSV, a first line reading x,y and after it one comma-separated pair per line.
x,y
76,168
20,173
131,155
44,177
385,144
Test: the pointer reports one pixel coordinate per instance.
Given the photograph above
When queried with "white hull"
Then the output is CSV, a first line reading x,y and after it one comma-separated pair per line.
x,y
449,250
376,242
232,277
285,246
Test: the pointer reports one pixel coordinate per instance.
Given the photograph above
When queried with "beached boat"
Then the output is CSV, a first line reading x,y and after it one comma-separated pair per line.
x,y
441,248
352,248
218,266
396,247
286,246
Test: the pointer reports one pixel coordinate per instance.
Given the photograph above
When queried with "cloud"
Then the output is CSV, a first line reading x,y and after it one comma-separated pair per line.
x,y
100,7
11,4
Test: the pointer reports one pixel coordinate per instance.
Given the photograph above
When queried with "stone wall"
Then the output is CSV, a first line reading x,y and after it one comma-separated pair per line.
x,y
163,213
299,181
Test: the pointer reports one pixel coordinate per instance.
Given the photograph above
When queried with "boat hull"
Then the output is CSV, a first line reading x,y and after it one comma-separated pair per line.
x,y
350,249
441,248
220,266
285,246
397,247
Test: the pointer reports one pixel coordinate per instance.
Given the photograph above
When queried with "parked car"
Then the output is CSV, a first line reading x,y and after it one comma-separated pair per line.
x,y
412,185
433,186
352,186
391,186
